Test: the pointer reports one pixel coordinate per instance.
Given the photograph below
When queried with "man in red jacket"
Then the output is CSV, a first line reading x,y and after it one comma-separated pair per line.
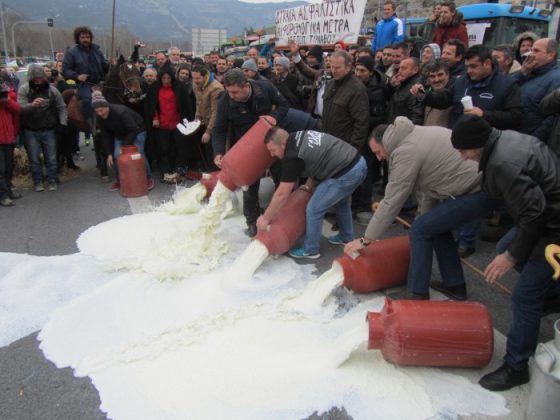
x,y
9,117
450,25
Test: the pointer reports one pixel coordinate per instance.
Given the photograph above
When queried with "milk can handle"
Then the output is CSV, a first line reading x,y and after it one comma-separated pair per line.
x,y
541,347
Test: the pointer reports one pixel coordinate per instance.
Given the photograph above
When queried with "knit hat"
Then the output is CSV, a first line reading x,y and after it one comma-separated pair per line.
x,y
470,132
366,61
35,70
283,61
98,101
250,65
317,52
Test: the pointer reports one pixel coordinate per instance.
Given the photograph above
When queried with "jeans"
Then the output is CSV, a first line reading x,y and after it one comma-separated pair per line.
x,y
535,284
432,231
35,143
468,234
84,92
362,197
139,141
337,193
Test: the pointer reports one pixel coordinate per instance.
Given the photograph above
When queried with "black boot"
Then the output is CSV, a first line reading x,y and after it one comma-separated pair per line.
x,y
504,378
251,230
453,292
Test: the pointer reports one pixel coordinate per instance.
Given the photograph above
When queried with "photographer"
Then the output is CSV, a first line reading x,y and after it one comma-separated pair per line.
x,y
312,69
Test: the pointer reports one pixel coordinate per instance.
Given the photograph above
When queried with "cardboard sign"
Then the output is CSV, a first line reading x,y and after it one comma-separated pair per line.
x,y
321,23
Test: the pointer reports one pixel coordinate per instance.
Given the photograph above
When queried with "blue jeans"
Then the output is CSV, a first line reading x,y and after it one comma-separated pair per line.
x,y
35,143
468,234
337,193
139,142
534,284
432,231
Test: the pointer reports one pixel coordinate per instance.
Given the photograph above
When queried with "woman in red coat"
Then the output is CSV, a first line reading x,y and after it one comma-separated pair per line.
x,y
9,127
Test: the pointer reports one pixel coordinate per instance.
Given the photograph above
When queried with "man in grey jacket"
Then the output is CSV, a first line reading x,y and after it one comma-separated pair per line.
x,y
422,159
42,110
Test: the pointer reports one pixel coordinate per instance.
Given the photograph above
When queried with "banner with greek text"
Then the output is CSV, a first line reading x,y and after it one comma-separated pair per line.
x,y
321,23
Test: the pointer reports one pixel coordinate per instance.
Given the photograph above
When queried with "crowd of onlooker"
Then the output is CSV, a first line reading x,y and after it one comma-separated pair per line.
x,y
348,91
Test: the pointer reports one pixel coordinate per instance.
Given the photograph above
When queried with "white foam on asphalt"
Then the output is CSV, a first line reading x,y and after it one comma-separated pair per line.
x,y
201,347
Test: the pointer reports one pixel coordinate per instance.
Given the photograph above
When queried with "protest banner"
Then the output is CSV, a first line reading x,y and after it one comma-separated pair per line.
x,y
321,23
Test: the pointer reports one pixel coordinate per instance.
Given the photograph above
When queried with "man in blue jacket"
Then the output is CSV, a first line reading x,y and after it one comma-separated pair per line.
x,y
539,76
389,30
85,64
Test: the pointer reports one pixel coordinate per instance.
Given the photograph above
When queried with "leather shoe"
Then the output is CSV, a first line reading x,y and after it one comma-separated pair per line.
x,y
465,252
251,230
407,294
453,292
6,202
504,378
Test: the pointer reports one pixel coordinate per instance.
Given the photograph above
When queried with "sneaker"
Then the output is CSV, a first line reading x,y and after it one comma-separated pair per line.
x,y
504,378
53,186
87,141
151,184
465,252
39,188
7,202
407,294
300,253
115,186
336,240
105,179
15,195
453,292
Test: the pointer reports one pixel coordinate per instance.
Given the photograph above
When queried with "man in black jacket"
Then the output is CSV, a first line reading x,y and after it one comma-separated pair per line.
x,y
495,97
520,170
403,103
246,101
120,126
376,85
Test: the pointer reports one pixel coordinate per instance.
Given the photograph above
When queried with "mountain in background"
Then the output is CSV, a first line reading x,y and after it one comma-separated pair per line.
x,y
153,19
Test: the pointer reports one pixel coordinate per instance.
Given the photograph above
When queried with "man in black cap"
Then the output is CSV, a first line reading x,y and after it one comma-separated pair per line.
x,y
120,126
523,172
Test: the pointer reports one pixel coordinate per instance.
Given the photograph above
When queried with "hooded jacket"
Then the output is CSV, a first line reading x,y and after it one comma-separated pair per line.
x,y
520,170
420,159
9,117
517,41
455,30
53,110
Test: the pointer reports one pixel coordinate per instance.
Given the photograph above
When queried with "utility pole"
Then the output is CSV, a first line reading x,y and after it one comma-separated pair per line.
x,y
4,32
50,24
113,32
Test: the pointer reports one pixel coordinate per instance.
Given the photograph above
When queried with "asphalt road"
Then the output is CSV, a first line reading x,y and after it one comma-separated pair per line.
x,y
48,223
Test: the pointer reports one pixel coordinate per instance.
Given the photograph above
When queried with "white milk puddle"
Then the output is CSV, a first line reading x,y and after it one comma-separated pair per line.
x,y
203,348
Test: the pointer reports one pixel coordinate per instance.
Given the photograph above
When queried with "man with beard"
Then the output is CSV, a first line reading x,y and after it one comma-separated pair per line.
x,y
85,64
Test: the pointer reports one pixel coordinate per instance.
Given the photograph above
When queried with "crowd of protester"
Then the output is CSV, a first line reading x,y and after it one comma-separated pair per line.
x,y
391,105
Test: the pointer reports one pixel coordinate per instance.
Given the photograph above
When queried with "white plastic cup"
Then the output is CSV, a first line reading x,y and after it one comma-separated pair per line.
x,y
467,103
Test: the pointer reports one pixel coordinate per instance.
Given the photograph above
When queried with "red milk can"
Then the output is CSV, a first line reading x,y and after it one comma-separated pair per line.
x,y
248,159
380,265
209,180
432,333
132,172
288,224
